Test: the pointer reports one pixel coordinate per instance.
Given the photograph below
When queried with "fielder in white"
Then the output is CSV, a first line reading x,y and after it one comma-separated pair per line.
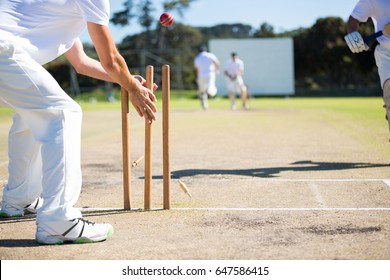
x,y
379,11
44,140
234,72
207,68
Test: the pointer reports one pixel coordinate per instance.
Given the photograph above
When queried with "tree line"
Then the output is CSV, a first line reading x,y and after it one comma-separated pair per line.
x,y
323,62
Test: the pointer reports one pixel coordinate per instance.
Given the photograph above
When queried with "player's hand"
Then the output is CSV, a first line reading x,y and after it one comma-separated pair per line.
x,y
143,100
355,42
142,81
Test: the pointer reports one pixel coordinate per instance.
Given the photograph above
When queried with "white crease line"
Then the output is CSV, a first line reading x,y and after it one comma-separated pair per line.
x,y
321,180
283,209
86,210
387,182
299,180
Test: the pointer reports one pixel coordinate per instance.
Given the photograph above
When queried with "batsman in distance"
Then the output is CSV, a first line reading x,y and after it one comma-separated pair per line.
x,y
44,140
379,11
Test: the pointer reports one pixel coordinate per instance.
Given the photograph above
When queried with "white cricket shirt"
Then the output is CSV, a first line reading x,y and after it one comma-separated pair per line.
x,y
205,62
233,68
46,29
379,11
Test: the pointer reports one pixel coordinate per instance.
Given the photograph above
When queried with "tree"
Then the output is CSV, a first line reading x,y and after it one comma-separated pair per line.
x,y
178,52
144,9
323,60
237,30
266,31
179,6
146,19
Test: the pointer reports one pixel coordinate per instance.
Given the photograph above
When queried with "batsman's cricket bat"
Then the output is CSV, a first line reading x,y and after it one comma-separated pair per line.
x,y
385,31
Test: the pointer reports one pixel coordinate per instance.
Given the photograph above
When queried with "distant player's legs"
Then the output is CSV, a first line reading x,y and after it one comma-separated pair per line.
x,y
232,92
211,87
232,97
382,58
203,85
241,88
244,97
386,98
204,100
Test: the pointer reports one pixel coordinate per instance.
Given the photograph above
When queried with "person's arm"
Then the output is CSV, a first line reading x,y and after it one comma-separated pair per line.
x,y
115,66
217,65
88,66
354,39
352,24
231,77
227,69
241,70
85,65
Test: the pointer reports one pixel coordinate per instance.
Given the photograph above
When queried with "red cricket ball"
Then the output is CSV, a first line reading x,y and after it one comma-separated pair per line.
x,y
166,19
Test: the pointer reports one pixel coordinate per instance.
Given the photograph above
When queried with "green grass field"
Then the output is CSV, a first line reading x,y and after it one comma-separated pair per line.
x,y
362,117
359,107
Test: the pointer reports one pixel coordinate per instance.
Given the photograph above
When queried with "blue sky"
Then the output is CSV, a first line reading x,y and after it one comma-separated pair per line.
x,y
281,14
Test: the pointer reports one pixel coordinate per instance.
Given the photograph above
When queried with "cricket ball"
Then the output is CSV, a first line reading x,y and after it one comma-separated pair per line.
x,y
166,19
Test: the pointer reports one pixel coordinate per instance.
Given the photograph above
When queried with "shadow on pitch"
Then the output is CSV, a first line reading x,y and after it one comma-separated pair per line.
x,y
271,172
18,243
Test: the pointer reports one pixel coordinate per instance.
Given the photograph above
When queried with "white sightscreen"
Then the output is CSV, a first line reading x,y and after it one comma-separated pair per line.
x,y
269,64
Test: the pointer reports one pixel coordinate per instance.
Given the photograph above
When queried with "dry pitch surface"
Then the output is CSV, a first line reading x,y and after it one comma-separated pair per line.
x,y
265,183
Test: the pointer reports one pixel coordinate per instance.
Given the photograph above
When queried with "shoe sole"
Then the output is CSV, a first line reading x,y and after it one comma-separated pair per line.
x,y
6,215
81,240
26,212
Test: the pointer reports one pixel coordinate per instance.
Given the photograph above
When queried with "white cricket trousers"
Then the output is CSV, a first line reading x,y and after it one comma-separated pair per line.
x,y
382,58
207,85
236,85
44,140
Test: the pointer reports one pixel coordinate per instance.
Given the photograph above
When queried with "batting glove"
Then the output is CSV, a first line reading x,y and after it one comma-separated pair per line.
x,y
355,42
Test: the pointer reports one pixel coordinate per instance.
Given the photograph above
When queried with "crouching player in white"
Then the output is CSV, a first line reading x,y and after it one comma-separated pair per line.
x,y
234,71
379,11
44,140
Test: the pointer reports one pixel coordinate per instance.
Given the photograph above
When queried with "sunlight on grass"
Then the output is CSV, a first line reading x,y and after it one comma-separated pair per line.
x,y
362,118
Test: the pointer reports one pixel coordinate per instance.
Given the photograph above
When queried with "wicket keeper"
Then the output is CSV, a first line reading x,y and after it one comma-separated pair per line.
x,y
44,140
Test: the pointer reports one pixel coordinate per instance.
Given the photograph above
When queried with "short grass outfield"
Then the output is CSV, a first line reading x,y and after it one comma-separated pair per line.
x,y
363,116
358,106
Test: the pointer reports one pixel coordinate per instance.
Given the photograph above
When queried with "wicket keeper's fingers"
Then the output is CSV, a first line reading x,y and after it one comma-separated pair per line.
x,y
148,114
143,103
142,81
139,79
